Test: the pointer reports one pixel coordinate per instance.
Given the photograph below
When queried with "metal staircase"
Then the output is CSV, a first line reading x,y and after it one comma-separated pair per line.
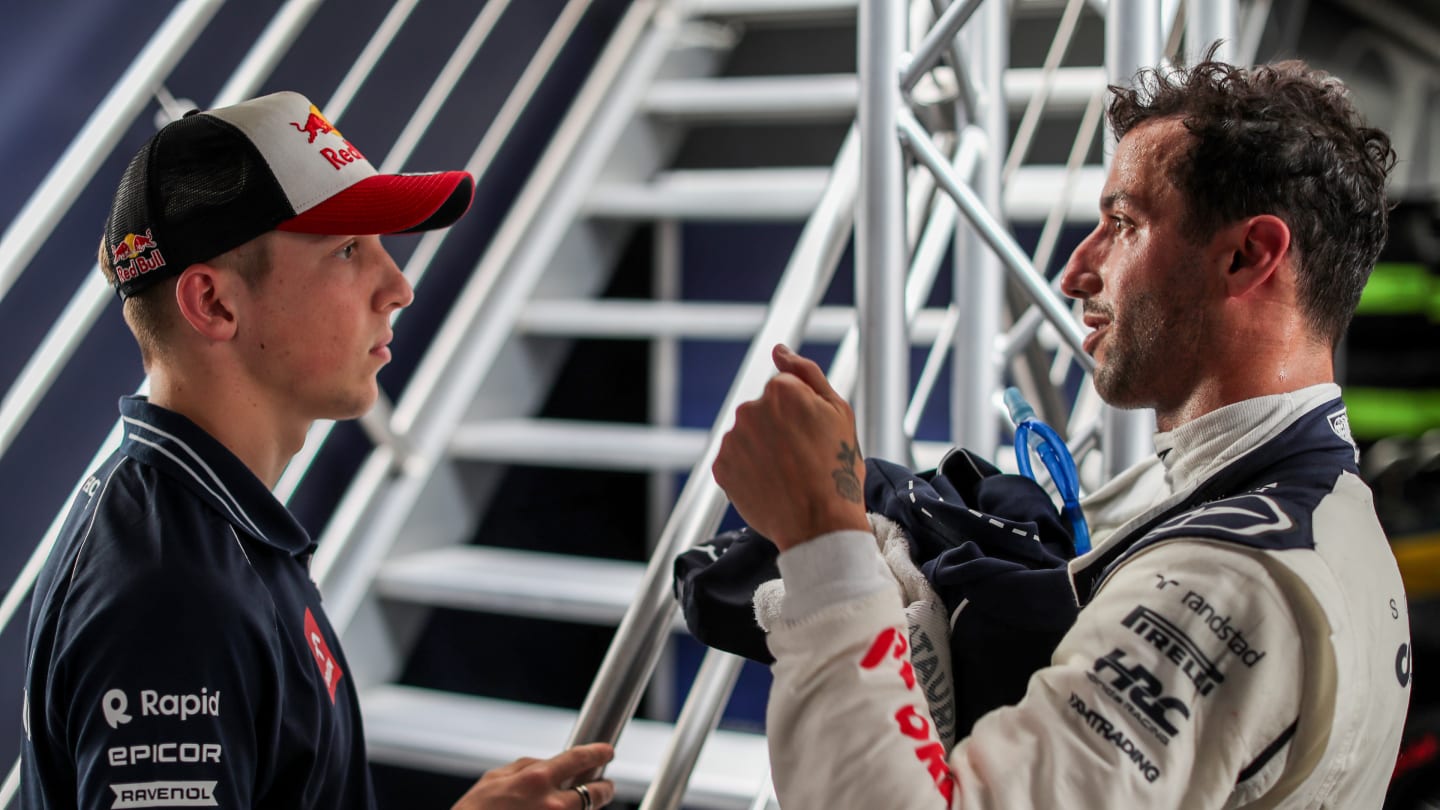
x,y
667,137
469,410
628,167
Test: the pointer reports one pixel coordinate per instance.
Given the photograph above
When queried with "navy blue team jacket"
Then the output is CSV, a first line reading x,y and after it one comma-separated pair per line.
x,y
1003,579
177,652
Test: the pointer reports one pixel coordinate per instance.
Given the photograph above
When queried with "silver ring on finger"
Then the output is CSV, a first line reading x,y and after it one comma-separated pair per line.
x,y
586,803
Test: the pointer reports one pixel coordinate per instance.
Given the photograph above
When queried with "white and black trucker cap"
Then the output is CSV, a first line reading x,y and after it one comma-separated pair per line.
x,y
214,180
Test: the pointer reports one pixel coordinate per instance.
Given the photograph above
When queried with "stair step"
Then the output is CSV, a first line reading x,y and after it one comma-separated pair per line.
x,y
1069,92
600,445
1034,189
791,194
833,97
788,8
538,585
748,195
773,9
756,98
579,444
615,318
465,735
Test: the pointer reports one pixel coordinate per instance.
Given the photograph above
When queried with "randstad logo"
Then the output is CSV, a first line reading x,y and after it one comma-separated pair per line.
x,y
316,124
153,704
135,255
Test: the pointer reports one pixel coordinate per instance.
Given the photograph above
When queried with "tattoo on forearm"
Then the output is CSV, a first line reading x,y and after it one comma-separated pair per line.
x,y
847,483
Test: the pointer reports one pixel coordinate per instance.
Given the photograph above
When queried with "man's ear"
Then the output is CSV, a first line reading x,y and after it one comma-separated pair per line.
x,y
203,295
1262,244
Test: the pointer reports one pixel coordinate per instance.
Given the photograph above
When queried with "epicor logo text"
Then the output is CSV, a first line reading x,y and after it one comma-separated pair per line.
x,y
154,704
186,752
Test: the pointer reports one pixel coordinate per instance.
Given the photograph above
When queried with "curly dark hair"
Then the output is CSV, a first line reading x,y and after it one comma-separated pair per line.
x,y
1278,139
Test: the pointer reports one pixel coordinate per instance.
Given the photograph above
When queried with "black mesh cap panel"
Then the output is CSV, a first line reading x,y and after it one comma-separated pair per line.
x,y
198,189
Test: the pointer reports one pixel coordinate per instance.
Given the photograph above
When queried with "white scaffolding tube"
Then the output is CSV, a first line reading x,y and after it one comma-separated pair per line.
x,y
880,238
1134,39
979,279
1207,22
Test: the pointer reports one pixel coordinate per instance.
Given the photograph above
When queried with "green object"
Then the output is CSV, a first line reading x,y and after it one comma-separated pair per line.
x,y
1396,289
1401,289
1379,412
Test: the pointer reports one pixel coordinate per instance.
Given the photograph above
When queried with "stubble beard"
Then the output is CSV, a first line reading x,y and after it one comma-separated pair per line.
x,y
1150,350
1125,375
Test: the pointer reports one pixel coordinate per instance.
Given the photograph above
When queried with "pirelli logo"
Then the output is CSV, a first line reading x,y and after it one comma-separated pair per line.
x,y
1175,645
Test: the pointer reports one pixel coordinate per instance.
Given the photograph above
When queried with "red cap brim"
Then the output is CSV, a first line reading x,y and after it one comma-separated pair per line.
x,y
389,203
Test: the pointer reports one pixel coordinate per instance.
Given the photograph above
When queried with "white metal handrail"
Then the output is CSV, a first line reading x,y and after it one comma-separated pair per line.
x,y
97,138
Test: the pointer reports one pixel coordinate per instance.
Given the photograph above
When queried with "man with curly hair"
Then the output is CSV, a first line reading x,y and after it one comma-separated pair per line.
x,y
1242,638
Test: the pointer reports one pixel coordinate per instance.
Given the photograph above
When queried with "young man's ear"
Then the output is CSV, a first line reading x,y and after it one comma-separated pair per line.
x,y
203,296
1262,243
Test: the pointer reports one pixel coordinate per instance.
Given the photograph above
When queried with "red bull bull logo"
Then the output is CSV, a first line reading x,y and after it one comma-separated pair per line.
x,y
135,255
316,124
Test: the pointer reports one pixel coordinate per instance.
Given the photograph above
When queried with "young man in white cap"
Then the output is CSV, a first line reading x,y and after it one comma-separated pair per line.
x,y
177,652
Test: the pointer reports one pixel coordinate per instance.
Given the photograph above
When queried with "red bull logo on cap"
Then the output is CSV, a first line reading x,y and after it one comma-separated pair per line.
x,y
316,124
135,255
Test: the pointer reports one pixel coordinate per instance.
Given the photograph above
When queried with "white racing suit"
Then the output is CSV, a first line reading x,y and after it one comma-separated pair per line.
x,y
1243,642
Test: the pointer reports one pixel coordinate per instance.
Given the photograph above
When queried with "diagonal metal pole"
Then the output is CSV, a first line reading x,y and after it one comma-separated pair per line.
x,y
937,42
917,140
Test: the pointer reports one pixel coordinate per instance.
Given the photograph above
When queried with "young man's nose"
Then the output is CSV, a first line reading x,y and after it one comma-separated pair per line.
x,y
395,292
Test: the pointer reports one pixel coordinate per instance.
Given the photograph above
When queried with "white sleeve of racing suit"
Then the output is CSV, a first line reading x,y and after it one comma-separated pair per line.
x,y
1171,683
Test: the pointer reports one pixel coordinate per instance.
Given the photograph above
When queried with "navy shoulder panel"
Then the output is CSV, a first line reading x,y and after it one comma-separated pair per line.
x,y
1265,499
1268,518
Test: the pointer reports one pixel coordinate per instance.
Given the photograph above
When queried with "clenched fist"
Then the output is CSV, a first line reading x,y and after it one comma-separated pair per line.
x,y
791,464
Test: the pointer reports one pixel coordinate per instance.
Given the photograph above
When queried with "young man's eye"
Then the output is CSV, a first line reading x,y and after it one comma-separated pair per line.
x,y
347,251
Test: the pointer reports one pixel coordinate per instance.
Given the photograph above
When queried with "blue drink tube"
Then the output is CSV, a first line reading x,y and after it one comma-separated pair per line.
x,y
1033,435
